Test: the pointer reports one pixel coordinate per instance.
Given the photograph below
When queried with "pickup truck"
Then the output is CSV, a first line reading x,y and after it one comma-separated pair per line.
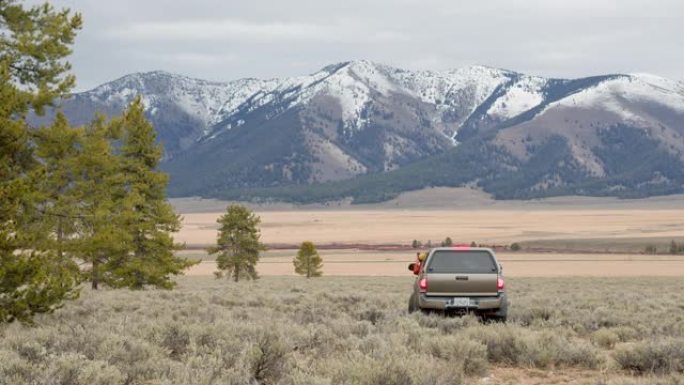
x,y
460,280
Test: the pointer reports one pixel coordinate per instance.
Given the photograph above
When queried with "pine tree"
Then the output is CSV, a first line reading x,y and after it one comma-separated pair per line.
x,y
673,247
33,45
447,242
57,148
238,245
103,241
151,219
308,262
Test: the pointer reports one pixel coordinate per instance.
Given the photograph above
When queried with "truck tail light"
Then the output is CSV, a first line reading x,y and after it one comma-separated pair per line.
x,y
422,284
500,284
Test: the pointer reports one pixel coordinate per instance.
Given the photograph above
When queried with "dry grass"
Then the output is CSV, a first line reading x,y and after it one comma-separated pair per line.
x,y
343,330
483,226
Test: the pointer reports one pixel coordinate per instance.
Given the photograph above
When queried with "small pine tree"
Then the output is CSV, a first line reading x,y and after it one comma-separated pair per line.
x,y
428,244
308,262
516,247
650,249
673,247
473,244
238,245
447,242
416,244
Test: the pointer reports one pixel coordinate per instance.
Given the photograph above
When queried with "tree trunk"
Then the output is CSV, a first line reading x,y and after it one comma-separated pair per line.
x,y
96,274
308,267
138,245
60,239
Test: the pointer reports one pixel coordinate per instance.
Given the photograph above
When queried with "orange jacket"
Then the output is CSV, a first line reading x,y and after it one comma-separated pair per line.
x,y
416,268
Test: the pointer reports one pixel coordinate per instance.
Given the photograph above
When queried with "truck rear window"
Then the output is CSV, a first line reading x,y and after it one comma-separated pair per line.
x,y
461,261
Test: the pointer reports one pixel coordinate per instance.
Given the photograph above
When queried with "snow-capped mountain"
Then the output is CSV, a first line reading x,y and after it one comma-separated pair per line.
x,y
359,117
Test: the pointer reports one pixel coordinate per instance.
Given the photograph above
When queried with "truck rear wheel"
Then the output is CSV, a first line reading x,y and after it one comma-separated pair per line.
x,y
413,303
502,314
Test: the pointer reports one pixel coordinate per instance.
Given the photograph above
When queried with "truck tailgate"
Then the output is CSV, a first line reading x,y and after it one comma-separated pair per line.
x,y
454,285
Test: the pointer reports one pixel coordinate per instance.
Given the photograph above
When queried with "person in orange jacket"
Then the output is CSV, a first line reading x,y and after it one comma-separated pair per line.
x,y
420,258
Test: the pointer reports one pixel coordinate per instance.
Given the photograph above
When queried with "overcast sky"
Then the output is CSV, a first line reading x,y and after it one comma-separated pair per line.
x,y
230,39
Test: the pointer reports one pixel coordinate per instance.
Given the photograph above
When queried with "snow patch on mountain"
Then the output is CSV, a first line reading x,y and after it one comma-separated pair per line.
x,y
615,95
443,88
351,84
239,91
522,96
207,101
652,87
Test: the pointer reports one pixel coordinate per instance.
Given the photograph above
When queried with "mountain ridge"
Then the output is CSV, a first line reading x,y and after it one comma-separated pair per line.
x,y
358,120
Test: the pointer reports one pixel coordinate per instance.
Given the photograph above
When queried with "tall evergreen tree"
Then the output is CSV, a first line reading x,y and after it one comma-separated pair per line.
x,y
152,219
103,239
308,262
33,45
57,148
238,244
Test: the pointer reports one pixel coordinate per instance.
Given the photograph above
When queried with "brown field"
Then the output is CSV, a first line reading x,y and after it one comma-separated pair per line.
x,y
486,226
560,236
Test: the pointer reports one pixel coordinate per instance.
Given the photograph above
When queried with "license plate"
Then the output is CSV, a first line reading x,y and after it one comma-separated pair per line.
x,y
459,302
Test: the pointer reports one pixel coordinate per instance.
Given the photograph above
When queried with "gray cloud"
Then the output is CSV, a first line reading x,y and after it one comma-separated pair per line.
x,y
241,31
223,40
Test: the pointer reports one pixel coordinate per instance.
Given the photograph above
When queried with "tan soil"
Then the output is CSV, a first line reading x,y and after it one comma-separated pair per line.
x,y
484,226
531,376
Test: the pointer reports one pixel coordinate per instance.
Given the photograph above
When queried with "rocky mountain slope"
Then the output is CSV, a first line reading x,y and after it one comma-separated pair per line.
x,y
360,127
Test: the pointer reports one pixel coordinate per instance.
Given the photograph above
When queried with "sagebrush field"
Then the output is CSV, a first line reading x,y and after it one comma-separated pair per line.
x,y
344,330
569,322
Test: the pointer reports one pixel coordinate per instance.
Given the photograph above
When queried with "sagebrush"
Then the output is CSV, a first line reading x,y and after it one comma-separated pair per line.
x,y
343,330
